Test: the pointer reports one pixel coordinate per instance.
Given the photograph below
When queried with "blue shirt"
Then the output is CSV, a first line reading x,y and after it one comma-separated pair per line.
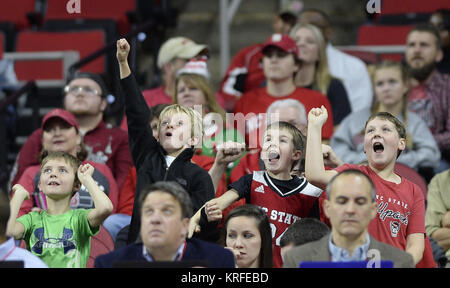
x,y
177,256
339,254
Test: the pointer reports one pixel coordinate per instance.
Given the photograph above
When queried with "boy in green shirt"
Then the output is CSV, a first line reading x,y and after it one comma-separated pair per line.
x,y
60,236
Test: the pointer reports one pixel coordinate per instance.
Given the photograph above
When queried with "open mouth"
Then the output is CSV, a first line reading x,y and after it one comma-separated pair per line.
x,y
168,134
378,147
274,156
53,183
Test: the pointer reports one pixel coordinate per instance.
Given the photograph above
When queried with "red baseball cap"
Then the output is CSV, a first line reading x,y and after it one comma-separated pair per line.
x,y
63,114
282,41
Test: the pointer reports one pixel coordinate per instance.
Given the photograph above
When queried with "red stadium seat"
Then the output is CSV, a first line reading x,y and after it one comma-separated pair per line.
x,y
93,10
16,12
85,42
412,176
384,35
412,6
102,243
367,57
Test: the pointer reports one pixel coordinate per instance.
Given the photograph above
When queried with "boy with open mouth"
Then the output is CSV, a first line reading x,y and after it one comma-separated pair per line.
x,y
398,199
180,130
283,196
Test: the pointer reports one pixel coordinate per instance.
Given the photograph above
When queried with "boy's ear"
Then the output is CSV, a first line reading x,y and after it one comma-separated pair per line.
x,y
194,141
402,144
297,155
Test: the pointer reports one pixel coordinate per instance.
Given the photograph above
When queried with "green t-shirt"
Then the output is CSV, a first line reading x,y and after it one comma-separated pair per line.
x,y
61,241
221,137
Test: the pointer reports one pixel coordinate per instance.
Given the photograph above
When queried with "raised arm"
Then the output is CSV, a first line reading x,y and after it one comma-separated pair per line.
x,y
14,228
314,166
141,140
103,205
123,48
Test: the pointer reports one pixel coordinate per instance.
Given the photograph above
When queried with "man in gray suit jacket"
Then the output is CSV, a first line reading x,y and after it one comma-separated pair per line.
x,y
350,206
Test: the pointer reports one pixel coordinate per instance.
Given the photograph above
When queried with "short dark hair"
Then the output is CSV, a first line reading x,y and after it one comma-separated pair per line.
x,y
429,29
288,18
174,189
373,193
262,221
320,12
94,77
303,231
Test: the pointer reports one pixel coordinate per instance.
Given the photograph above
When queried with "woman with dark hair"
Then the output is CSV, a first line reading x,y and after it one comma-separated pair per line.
x,y
246,231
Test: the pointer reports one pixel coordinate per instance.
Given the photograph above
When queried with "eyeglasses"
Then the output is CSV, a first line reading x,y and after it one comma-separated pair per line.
x,y
74,90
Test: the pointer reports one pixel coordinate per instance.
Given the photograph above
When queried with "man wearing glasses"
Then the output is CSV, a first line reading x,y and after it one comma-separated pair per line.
x,y
85,97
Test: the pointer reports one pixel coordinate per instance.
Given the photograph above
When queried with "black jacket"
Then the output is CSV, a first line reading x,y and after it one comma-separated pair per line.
x,y
149,158
214,255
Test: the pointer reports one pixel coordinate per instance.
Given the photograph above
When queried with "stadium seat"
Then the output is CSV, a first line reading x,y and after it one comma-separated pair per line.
x,y
101,243
412,6
412,176
93,10
15,11
384,35
85,42
367,57
408,12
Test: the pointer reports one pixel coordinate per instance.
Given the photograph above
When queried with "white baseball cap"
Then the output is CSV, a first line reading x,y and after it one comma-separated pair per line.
x,y
179,47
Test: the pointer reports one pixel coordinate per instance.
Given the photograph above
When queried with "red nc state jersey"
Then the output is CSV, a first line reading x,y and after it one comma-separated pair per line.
x,y
283,208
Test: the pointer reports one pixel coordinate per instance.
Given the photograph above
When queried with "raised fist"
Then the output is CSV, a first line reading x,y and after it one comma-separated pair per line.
x,y
123,48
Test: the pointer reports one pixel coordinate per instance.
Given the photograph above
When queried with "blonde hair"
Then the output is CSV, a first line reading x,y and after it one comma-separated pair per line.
x,y
200,82
322,76
194,116
376,107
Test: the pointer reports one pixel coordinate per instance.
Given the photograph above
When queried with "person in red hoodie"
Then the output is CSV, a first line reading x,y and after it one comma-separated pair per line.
x,y
280,64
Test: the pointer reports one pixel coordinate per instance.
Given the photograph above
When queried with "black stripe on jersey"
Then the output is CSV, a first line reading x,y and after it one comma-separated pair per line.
x,y
286,187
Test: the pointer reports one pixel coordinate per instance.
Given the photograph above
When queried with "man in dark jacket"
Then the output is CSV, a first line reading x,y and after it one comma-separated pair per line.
x,y
165,212
180,129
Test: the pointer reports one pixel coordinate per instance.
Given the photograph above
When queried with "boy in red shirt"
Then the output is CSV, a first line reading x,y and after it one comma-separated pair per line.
x,y
400,219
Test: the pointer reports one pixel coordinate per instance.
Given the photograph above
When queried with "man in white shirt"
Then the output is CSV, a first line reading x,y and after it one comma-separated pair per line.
x,y
351,70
